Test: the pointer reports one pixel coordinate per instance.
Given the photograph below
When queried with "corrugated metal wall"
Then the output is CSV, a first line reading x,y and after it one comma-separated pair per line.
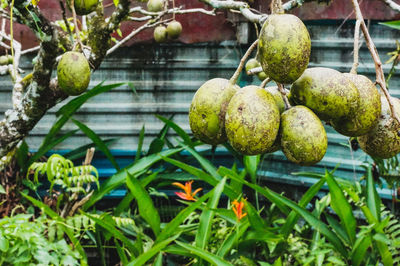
x,y
166,77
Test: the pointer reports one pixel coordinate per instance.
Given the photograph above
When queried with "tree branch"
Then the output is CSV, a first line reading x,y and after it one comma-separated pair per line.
x,y
392,5
380,76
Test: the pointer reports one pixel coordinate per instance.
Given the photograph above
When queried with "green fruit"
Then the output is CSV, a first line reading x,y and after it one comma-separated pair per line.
x,y
252,63
155,5
368,110
284,47
280,103
208,108
73,73
327,92
174,29
160,34
10,59
3,60
303,137
261,75
252,120
84,7
383,141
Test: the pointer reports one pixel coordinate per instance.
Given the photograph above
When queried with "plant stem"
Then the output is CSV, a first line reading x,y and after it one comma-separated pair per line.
x,y
235,76
265,82
283,92
356,47
380,76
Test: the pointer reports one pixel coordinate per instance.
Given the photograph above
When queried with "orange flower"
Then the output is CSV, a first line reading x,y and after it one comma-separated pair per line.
x,y
187,188
237,208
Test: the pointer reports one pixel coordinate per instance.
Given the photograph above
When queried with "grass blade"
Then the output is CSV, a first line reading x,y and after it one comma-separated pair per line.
x,y
140,144
206,218
342,208
143,258
207,256
373,200
145,204
119,178
98,141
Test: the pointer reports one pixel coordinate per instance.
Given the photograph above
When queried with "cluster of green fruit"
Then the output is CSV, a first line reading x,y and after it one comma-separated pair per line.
x,y
84,7
6,60
256,120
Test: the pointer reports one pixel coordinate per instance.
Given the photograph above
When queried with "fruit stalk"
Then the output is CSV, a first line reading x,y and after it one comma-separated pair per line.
x,y
235,76
283,92
356,47
380,76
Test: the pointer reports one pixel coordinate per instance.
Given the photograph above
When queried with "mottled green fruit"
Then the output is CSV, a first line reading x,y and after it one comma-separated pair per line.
x,y
3,60
327,92
383,141
252,63
252,120
10,59
208,108
155,5
261,75
284,47
277,97
73,73
160,34
174,29
303,137
368,110
84,7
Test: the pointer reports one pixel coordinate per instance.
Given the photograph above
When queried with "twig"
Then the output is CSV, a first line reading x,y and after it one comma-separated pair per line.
x,y
176,10
235,75
78,37
265,82
281,89
356,47
380,76
392,5
30,50
254,71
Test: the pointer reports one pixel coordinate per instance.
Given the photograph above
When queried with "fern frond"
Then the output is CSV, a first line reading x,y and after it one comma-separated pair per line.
x,y
392,231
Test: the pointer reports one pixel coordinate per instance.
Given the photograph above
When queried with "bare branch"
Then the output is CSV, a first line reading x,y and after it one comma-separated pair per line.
x,y
380,76
356,47
235,75
254,71
392,5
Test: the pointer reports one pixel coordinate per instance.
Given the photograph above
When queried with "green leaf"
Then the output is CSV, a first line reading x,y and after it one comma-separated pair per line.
x,y
4,243
251,164
339,230
121,252
373,200
209,257
2,190
255,219
140,144
232,239
314,222
132,87
81,151
391,24
109,226
293,217
207,217
53,215
202,175
156,146
98,141
360,248
49,145
342,208
185,136
119,178
143,258
146,207
22,156
173,225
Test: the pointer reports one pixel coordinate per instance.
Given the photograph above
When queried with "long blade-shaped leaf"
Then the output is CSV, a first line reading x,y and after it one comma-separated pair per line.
x,y
342,207
251,164
173,225
232,239
206,218
145,204
185,136
43,149
202,175
119,178
140,145
143,258
314,222
58,218
360,248
373,200
293,217
211,258
98,141
113,231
